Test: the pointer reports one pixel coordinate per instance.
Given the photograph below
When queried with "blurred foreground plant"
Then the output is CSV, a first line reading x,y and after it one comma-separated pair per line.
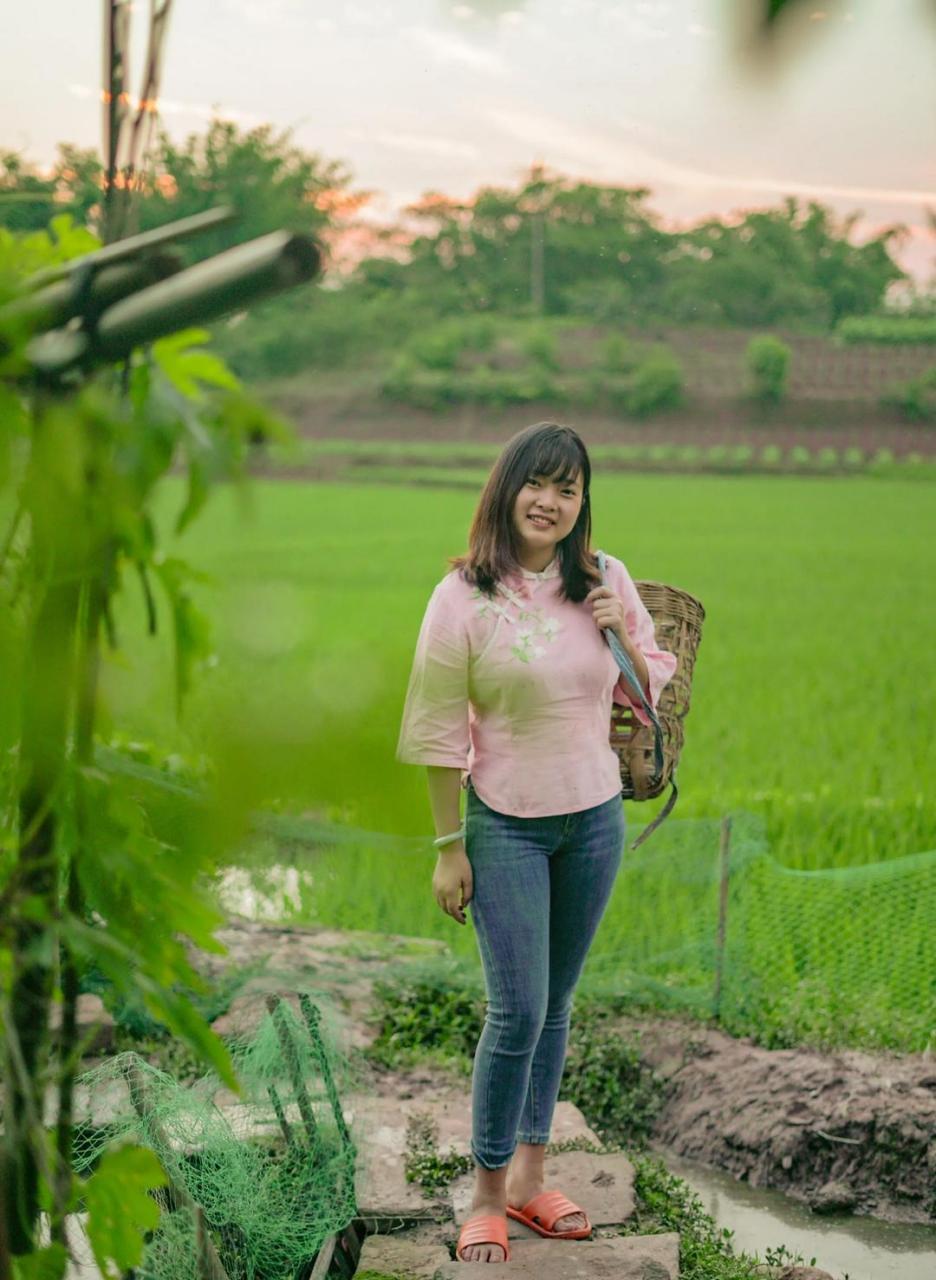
x,y
84,881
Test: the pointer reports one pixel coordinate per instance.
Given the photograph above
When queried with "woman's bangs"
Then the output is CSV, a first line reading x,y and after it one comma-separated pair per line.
x,y
557,457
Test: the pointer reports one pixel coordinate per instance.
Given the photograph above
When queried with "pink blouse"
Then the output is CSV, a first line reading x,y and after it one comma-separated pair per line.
x,y
518,690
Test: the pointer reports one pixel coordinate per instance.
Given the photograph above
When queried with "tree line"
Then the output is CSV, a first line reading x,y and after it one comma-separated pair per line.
x,y
548,245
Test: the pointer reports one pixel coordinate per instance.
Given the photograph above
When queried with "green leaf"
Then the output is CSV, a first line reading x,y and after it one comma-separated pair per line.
x,y
120,1208
47,1264
186,368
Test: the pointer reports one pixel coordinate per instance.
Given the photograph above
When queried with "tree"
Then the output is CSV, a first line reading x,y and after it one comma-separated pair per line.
x,y
269,181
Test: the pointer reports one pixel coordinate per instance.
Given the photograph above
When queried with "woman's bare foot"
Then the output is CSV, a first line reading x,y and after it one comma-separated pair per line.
x,y
519,1194
485,1252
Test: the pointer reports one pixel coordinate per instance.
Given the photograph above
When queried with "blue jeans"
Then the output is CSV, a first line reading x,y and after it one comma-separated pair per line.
x,y
541,886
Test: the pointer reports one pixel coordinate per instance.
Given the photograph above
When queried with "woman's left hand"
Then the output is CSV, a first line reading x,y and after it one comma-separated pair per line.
x,y
608,611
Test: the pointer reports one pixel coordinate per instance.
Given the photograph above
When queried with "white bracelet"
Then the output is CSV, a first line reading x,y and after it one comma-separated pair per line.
x,y
441,841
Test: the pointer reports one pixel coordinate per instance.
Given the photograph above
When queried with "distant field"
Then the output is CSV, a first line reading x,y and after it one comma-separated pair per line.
x,y
815,690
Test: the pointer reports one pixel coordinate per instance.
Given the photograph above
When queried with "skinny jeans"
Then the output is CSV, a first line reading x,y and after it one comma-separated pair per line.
x,y
540,888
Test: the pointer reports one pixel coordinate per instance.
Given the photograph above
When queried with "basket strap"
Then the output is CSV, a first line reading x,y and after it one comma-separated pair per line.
x,y
664,813
627,667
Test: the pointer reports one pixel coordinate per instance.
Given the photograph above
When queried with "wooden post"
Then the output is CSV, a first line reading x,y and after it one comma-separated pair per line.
x,y
724,867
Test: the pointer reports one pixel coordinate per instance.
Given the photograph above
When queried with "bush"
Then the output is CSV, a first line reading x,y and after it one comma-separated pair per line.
x,y
442,346
539,344
656,384
893,330
768,363
915,399
617,354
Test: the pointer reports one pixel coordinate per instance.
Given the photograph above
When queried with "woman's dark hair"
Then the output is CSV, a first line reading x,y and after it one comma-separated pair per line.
x,y
545,449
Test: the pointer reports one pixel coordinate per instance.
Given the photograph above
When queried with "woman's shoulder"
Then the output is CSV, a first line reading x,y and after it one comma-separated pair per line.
x,y
454,587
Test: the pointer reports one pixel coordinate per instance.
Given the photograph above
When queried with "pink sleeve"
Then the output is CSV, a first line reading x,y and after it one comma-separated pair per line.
x,y
660,664
434,728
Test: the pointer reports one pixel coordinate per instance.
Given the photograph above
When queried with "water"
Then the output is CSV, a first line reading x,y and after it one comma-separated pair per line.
x,y
856,1248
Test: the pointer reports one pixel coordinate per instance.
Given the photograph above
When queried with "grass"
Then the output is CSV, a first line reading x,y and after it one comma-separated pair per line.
x,y
812,707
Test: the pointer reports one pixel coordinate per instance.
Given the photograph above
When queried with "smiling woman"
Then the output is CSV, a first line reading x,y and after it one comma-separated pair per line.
x,y
513,681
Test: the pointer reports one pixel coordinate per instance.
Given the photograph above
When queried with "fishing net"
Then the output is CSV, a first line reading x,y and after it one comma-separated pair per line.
x,y
260,1181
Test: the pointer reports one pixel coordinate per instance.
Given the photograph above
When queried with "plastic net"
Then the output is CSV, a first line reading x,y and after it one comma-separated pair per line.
x,y
263,1180
830,957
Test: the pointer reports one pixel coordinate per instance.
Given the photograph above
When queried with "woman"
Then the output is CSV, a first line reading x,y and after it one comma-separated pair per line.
x,y
513,681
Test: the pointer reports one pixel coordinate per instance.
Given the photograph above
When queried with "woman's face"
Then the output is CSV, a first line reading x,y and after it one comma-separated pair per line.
x,y
545,511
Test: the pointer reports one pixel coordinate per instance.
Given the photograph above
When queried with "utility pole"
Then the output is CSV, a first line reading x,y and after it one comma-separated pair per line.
x,y
537,262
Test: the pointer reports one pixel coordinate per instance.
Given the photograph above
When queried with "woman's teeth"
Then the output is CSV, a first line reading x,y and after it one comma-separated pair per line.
x,y
540,522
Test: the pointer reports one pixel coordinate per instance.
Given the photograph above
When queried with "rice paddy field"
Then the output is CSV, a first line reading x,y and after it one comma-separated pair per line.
x,y
811,724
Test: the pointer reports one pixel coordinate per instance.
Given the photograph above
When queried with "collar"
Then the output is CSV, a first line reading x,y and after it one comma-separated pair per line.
x,y
551,570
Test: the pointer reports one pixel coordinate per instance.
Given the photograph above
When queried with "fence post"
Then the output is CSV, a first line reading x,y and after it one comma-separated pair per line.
x,y
724,854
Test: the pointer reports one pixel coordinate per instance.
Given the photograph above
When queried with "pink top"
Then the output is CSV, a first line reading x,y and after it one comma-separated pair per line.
x,y
518,690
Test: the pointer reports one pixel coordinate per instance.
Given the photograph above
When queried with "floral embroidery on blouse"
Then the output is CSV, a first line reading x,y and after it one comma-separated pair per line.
x,y
532,623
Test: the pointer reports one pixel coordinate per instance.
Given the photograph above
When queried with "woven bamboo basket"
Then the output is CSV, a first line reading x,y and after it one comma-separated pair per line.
x,y
677,619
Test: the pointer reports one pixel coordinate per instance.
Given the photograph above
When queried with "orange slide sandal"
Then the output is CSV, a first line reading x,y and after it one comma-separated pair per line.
x,y
484,1228
542,1212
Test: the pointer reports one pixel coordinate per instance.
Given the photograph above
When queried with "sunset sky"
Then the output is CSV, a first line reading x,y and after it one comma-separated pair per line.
x,y
429,94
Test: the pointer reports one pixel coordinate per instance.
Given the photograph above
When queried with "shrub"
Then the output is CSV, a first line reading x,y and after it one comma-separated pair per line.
x,y
771,454
768,363
442,346
539,343
915,399
655,384
437,348
894,330
616,354
605,1079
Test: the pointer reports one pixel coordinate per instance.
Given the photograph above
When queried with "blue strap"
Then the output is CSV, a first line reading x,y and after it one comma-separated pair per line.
x,y
627,667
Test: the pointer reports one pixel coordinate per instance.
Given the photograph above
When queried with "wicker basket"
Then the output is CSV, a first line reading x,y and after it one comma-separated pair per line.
x,y
677,619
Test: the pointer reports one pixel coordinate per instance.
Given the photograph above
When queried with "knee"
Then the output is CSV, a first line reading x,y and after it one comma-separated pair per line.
x,y
518,1023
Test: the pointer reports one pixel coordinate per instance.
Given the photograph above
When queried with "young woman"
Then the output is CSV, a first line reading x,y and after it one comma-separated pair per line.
x,y
513,681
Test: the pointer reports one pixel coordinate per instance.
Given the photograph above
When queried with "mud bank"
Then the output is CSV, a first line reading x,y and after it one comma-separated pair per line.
x,y
840,1131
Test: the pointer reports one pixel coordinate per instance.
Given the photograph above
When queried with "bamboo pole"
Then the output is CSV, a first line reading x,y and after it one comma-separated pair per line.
x,y
275,1005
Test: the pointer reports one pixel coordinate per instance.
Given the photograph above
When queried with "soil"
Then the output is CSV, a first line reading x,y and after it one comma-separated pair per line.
x,y
708,420
842,1131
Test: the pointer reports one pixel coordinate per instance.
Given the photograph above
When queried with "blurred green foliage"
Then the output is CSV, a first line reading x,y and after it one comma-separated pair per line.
x,y
768,365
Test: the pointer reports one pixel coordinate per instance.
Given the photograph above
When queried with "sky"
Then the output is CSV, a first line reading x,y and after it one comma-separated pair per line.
x,y
419,95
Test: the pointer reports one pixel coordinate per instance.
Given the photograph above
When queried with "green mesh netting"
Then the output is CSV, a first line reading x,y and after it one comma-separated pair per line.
x,y
273,1172
831,957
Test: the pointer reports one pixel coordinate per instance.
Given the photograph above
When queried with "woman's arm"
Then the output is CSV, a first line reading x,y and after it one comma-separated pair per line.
x,y
453,879
444,791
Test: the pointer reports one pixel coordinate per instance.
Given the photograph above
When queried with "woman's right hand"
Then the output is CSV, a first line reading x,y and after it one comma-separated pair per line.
x,y
452,881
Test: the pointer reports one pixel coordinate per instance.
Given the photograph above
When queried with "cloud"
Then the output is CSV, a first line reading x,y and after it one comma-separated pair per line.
x,y
428,145
168,107
622,160
448,48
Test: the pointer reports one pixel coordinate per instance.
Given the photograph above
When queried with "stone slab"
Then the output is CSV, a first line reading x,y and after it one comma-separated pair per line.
x,y
611,1258
379,1129
602,1184
399,1256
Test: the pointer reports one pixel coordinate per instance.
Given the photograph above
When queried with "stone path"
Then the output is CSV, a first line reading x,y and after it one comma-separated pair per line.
x,y
412,1235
